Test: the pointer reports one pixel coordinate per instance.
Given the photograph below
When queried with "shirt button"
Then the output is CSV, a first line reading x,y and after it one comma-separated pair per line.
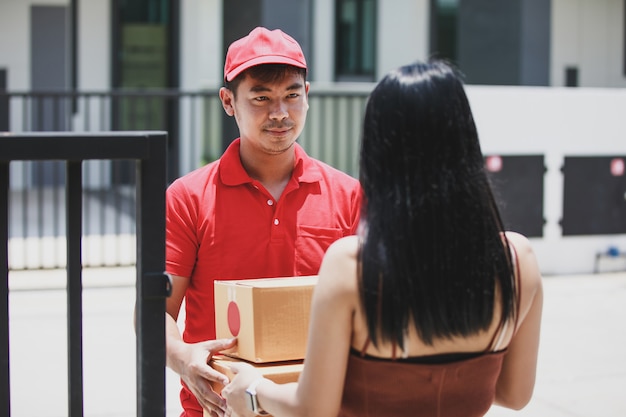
x,y
270,202
276,222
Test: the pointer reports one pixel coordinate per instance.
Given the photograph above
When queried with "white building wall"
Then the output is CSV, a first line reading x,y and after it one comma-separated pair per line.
x,y
93,42
201,56
616,40
589,35
15,42
94,74
403,33
554,122
94,45
201,67
323,57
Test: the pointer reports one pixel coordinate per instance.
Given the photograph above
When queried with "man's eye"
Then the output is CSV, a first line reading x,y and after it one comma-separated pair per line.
x,y
262,98
293,95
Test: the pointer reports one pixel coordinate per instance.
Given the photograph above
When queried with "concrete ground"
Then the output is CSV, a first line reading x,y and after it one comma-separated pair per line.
x,y
581,371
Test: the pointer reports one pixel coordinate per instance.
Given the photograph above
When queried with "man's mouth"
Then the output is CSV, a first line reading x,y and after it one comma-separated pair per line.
x,y
279,130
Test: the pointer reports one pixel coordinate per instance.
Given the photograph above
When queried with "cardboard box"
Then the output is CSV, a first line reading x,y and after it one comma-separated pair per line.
x,y
279,372
268,316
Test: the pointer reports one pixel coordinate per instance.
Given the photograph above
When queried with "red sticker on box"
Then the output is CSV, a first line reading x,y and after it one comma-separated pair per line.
x,y
234,321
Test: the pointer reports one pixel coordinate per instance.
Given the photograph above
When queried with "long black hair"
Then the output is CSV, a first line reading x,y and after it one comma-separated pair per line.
x,y
432,249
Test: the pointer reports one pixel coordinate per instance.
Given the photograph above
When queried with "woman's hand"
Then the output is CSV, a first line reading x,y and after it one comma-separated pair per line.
x,y
235,391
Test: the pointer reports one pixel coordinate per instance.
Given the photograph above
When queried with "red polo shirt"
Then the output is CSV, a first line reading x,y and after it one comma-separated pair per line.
x,y
222,224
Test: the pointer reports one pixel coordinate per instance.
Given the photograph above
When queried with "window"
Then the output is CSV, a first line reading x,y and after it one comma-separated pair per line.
x,y
517,183
443,36
355,52
593,195
145,35
145,56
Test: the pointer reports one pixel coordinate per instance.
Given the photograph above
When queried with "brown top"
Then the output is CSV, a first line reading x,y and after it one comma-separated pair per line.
x,y
403,388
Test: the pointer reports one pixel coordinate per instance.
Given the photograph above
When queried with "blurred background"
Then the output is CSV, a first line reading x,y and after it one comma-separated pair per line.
x,y
546,81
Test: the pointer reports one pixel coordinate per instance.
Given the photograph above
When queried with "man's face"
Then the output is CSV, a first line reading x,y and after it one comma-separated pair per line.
x,y
271,115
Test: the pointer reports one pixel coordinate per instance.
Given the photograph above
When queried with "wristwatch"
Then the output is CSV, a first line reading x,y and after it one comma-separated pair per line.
x,y
253,402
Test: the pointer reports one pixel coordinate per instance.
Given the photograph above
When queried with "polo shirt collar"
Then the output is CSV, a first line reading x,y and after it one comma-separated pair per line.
x,y
232,172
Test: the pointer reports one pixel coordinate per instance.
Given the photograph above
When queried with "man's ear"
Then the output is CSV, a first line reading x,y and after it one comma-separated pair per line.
x,y
227,97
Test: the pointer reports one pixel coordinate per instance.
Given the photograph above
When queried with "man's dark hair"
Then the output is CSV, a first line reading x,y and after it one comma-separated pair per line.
x,y
266,73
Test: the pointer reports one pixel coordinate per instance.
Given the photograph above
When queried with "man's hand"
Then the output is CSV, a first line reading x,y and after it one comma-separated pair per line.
x,y
197,374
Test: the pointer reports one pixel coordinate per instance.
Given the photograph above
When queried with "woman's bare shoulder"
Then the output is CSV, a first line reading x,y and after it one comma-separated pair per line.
x,y
524,252
530,273
519,242
346,246
339,264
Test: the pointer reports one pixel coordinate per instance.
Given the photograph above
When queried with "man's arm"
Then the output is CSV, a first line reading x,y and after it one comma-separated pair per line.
x,y
190,360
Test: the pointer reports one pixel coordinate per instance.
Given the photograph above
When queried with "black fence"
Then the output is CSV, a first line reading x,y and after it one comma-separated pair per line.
x,y
198,131
37,204
148,152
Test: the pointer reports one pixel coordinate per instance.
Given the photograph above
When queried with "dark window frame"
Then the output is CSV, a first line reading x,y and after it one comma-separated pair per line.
x,y
361,72
441,18
593,195
147,11
173,41
517,183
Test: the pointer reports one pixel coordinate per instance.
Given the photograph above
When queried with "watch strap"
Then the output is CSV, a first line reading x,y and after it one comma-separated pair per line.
x,y
253,403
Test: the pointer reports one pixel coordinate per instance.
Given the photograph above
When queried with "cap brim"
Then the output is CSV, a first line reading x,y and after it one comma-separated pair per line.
x,y
268,59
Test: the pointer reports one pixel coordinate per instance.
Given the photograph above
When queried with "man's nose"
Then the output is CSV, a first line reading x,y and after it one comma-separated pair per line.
x,y
279,111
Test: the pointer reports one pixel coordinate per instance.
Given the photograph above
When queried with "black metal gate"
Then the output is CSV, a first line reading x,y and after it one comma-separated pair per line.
x,y
148,150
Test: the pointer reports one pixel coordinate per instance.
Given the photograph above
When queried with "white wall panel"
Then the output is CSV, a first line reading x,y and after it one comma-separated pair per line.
x,y
403,33
15,43
589,35
94,45
323,58
202,57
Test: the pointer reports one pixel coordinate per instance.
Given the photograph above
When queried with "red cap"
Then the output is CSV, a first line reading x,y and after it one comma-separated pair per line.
x,y
262,46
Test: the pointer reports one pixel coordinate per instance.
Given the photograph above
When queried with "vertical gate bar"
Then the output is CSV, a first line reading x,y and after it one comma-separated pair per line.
x,y
5,391
150,309
73,196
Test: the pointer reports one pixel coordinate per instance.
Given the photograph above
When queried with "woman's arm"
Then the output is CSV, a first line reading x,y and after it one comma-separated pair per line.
x,y
517,379
320,386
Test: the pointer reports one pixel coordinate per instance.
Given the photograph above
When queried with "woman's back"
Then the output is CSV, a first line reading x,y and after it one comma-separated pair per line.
x,y
451,377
